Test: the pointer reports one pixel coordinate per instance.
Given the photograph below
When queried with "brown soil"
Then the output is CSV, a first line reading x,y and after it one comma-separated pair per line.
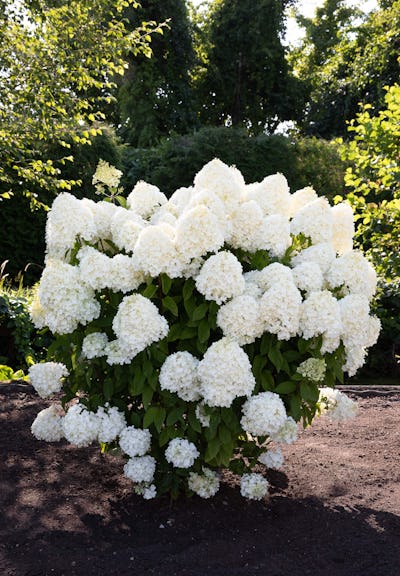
x,y
333,511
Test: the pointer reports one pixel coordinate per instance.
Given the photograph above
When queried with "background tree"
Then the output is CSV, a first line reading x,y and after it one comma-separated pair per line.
x,y
154,98
245,79
345,58
57,69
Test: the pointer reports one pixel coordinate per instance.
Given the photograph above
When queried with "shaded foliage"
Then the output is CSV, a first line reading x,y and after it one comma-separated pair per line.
x,y
174,163
154,98
245,79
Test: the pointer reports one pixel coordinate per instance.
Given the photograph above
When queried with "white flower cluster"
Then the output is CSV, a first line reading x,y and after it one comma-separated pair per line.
x,y
336,405
181,453
253,486
110,421
80,427
263,414
106,174
140,469
184,236
137,324
313,369
134,441
225,373
48,424
179,374
46,378
272,459
204,485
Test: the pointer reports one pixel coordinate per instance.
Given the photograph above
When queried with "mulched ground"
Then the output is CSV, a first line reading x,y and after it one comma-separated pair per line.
x,y
334,510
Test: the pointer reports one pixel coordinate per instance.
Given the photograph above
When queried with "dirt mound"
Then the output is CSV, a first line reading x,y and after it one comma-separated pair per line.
x,y
334,509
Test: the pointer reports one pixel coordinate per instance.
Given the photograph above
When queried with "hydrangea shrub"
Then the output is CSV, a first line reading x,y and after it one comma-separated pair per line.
x,y
194,333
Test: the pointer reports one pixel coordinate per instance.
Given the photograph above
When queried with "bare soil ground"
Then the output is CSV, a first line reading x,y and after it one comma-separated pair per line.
x,y
334,510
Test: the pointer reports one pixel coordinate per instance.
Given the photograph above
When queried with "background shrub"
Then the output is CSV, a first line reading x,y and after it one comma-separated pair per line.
x,y
174,163
21,343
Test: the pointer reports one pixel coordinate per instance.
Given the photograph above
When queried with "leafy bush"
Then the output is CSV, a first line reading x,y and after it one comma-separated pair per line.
x,y
193,333
378,234
304,161
373,176
21,344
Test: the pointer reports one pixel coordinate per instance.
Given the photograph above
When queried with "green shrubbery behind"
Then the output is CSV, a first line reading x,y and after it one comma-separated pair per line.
x,y
172,164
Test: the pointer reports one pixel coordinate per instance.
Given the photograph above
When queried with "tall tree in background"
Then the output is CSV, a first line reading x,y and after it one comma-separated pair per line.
x,y
346,57
154,97
58,61
245,78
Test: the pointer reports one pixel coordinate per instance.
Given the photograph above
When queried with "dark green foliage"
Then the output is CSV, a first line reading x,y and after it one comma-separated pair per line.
x,y
245,78
22,238
304,162
20,343
58,66
104,146
154,97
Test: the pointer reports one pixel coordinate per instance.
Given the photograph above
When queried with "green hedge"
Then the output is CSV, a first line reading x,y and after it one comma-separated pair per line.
x,y
172,164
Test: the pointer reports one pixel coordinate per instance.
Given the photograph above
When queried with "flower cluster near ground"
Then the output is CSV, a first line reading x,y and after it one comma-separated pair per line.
x,y
195,332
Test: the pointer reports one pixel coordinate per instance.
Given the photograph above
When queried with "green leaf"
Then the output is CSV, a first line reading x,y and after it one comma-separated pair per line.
x,y
108,389
187,289
267,380
199,312
193,422
265,344
204,331
309,392
137,383
275,356
149,291
286,387
189,305
147,397
149,416
147,367
6,373
167,434
295,407
166,283
154,415
303,345
159,418
212,449
170,304
175,415
224,434
259,363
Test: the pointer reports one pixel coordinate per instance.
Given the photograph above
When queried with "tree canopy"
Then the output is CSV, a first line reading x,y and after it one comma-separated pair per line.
x,y
58,64
346,57
154,97
245,78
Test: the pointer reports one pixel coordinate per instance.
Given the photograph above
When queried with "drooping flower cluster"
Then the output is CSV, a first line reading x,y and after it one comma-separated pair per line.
x,y
197,329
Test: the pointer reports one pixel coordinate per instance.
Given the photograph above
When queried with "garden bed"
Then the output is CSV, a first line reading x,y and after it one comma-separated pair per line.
x,y
334,508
